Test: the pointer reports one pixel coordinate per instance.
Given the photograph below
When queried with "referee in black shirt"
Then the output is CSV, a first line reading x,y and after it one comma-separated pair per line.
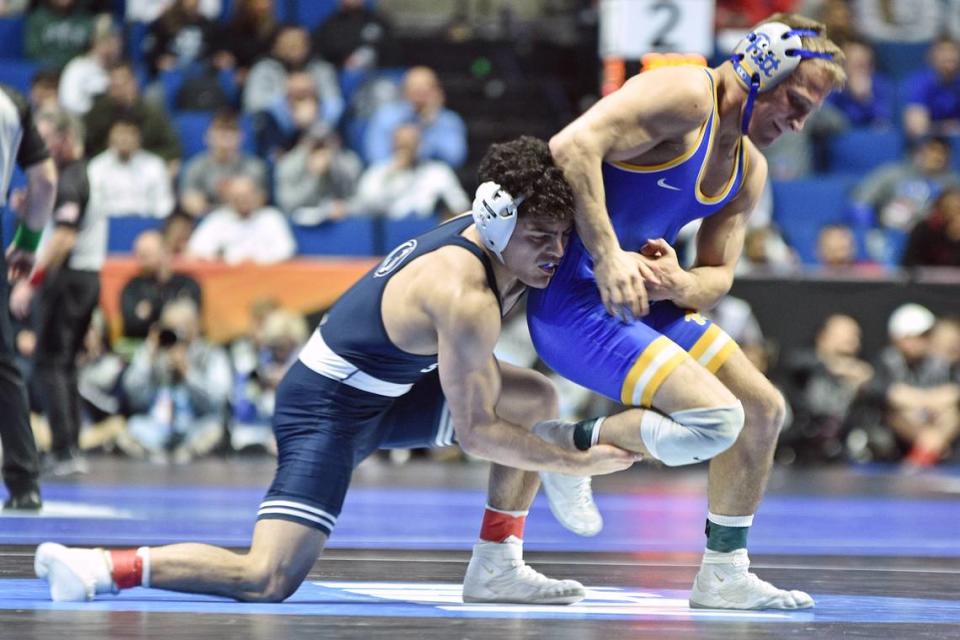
x,y
66,281
21,144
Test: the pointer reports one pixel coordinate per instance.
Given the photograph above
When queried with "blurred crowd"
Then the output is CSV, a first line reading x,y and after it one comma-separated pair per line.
x,y
232,127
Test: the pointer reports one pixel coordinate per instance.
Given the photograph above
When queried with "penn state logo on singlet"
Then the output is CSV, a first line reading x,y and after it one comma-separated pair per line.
x,y
395,258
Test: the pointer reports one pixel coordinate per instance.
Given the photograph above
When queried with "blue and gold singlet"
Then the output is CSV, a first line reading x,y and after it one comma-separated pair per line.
x,y
570,327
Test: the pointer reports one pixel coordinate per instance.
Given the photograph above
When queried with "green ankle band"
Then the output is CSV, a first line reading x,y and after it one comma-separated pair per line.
x,y
725,539
583,433
24,238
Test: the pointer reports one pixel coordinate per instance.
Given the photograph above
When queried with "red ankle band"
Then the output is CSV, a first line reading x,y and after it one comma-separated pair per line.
x,y
497,526
127,568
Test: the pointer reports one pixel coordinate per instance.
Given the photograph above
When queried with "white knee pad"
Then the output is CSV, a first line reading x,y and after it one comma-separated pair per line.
x,y
690,436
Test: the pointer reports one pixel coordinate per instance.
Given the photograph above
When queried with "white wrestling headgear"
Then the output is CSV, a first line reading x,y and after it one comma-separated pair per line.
x,y
766,56
495,214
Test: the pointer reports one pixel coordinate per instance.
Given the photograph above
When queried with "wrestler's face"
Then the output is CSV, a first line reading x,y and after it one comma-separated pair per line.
x,y
535,250
789,104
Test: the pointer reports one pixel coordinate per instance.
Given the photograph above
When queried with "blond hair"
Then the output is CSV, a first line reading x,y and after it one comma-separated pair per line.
x,y
819,43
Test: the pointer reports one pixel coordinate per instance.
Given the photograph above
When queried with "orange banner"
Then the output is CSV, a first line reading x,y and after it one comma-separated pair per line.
x,y
304,284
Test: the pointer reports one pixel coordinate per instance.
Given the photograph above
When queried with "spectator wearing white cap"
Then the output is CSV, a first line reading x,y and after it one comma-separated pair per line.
x,y
912,383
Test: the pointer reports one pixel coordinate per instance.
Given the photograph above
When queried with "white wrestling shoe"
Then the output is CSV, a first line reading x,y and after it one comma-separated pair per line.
x,y
571,502
74,575
570,497
497,573
725,582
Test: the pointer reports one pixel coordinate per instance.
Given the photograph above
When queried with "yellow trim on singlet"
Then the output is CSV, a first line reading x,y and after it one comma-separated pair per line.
x,y
636,371
705,199
701,345
686,155
665,370
717,361
641,382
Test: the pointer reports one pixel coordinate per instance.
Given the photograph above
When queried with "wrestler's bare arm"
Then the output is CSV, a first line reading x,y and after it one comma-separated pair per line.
x,y
720,239
467,319
649,109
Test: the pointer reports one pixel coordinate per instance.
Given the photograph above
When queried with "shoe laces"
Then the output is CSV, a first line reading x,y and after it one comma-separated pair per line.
x,y
528,574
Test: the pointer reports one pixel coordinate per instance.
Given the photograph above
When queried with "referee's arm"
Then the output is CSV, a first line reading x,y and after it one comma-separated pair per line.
x,y
41,171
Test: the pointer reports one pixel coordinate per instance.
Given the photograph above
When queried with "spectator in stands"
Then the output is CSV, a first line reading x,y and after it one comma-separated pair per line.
x,y
764,251
87,76
13,7
913,385
291,53
177,229
867,98
255,383
405,185
935,240
127,180
156,284
244,229
99,371
204,175
123,100
837,249
179,37
822,384
932,95
316,180
837,16
895,196
247,37
278,129
892,21
44,90
743,14
146,11
177,386
945,342
443,133
354,37
56,32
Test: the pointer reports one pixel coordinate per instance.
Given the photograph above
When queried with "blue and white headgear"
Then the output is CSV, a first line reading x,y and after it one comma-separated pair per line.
x,y
495,214
766,56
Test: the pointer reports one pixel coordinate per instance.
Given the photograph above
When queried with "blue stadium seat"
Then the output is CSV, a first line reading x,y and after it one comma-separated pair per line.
x,y
310,13
11,37
859,150
191,127
134,35
125,229
802,207
399,231
17,73
351,237
899,59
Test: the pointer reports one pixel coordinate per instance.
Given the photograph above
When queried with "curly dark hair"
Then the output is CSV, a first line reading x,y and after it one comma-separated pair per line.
x,y
524,166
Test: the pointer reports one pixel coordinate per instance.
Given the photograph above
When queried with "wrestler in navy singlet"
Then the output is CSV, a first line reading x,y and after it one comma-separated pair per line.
x,y
352,391
570,327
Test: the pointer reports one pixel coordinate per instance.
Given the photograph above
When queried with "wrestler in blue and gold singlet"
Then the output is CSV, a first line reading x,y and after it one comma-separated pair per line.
x,y
570,327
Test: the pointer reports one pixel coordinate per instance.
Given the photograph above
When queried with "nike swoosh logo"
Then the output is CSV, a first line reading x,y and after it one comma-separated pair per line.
x,y
662,182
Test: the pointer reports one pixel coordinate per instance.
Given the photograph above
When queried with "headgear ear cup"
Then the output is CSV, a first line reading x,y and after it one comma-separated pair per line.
x,y
766,56
495,214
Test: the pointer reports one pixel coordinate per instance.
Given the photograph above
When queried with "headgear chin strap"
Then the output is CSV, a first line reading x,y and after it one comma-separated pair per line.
x,y
495,214
766,56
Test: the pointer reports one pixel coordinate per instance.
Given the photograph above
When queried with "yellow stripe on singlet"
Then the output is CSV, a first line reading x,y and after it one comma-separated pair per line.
x,y
665,370
638,368
700,346
649,371
717,361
